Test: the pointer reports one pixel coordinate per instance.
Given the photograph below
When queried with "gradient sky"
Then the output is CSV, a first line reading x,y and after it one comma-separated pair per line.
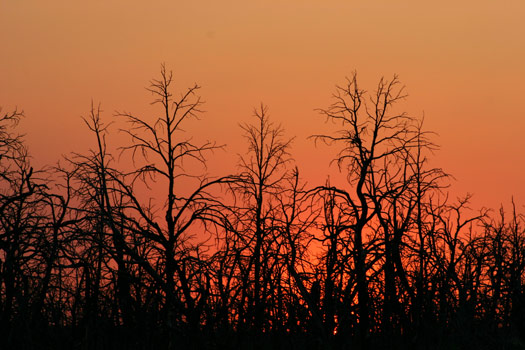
x,y
462,64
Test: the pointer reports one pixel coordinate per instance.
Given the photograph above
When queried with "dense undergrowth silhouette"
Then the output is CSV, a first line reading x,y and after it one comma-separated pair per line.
x,y
256,259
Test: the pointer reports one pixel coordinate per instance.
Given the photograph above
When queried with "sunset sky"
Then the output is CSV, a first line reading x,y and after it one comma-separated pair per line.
x,y
463,65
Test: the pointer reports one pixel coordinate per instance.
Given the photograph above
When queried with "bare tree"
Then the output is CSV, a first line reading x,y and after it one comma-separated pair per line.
x,y
164,151
375,143
263,171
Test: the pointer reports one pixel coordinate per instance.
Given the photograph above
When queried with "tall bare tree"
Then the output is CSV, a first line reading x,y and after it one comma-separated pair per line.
x,y
163,151
263,171
375,143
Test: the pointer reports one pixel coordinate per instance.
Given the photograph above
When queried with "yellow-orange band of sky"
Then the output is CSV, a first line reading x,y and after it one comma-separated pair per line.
x,y
462,63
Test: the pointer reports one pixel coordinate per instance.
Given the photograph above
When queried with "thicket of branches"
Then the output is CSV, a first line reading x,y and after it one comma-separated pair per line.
x,y
255,259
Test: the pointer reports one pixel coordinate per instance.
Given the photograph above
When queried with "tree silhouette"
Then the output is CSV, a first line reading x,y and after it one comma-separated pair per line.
x,y
165,152
263,172
374,140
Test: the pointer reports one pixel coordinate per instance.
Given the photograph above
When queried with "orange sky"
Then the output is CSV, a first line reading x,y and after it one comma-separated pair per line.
x,y
462,64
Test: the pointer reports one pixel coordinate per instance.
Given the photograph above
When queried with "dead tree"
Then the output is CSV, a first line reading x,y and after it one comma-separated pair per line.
x,y
374,140
163,154
262,174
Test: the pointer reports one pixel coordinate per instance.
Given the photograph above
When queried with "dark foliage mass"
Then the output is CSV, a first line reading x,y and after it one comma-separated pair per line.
x,y
257,259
